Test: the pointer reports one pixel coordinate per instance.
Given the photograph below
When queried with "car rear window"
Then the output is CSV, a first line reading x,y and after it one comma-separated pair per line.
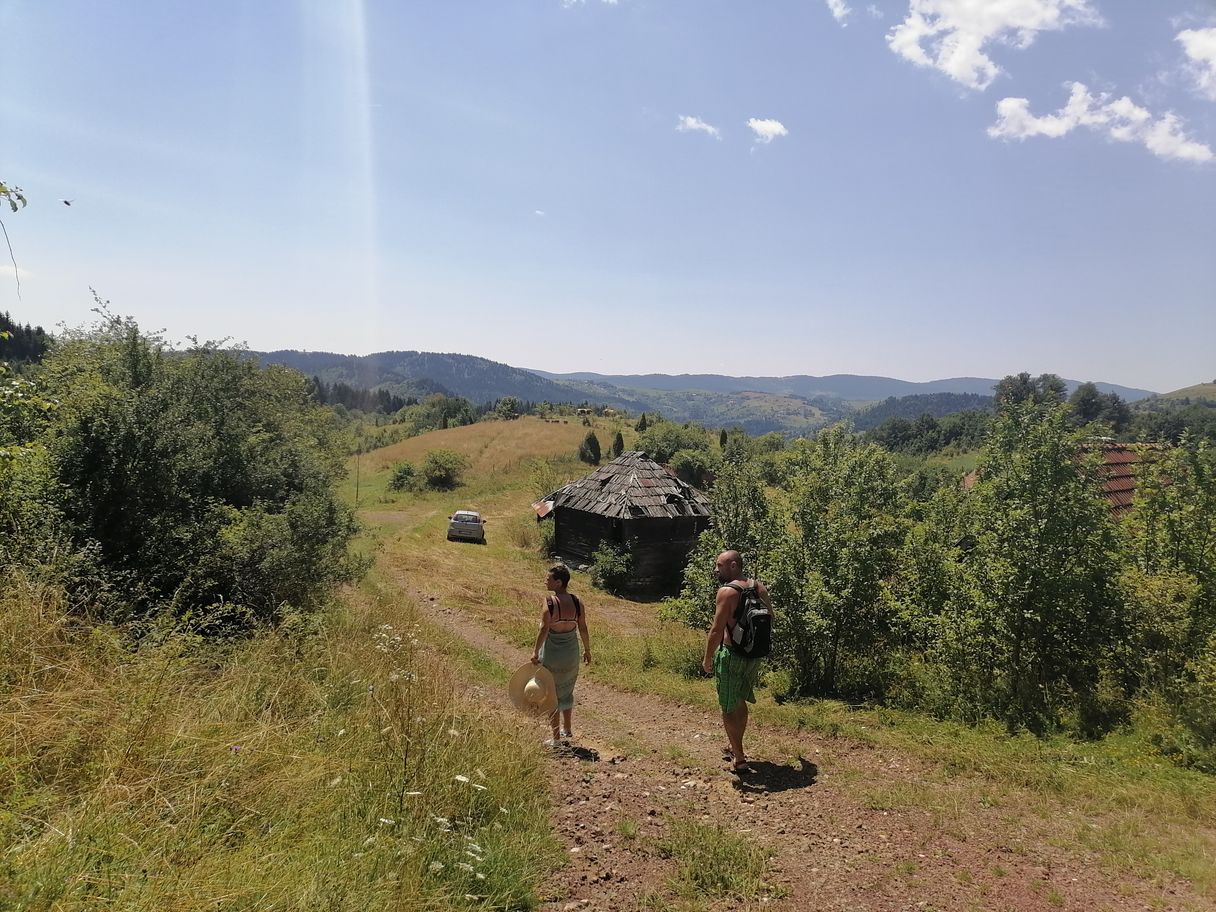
x,y
465,517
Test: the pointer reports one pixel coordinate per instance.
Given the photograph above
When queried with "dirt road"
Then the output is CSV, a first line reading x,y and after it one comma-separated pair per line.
x,y
641,762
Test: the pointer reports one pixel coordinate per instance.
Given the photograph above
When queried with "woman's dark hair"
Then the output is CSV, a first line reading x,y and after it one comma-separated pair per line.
x,y
560,572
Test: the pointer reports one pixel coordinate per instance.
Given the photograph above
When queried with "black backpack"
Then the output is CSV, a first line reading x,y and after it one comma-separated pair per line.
x,y
751,634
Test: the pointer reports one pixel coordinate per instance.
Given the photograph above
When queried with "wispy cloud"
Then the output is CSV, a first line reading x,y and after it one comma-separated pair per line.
x,y
952,36
539,212
688,124
1199,45
766,130
1121,119
875,12
840,11
566,4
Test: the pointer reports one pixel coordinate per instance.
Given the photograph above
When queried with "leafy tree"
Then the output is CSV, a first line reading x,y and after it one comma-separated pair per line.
x,y
833,580
442,469
205,482
1173,528
589,449
508,408
696,467
743,520
1025,632
1045,389
1087,403
663,439
618,445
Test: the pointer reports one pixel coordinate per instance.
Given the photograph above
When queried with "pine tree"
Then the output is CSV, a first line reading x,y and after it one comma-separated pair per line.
x,y
618,445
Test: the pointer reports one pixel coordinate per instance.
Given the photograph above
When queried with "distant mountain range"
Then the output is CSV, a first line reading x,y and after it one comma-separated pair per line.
x,y
851,387
792,404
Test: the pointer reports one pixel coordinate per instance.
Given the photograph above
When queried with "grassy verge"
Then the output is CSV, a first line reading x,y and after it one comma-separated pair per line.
x,y
323,769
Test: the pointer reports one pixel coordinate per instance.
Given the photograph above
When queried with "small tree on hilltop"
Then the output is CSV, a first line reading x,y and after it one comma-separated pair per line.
x,y
589,449
618,445
642,424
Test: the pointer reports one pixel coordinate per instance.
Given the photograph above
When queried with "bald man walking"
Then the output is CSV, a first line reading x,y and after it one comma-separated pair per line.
x,y
734,675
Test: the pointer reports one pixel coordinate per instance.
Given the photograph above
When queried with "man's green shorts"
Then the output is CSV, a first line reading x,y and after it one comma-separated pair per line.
x,y
735,677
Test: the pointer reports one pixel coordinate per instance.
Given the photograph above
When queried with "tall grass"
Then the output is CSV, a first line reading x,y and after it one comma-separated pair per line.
x,y
325,769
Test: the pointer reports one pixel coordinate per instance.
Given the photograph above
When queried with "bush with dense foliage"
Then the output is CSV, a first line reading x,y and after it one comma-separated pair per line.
x,y
199,483
611,566
442,469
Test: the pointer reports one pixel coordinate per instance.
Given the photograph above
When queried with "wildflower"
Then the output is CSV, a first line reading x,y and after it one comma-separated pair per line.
x,y
234,748
442,821
465,866
435,867
475,847
463,779
341,732
480,876
387,821
336,781
454,733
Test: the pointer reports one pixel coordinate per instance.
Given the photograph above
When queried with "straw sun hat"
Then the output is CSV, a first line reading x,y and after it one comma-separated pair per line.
x,y
533,690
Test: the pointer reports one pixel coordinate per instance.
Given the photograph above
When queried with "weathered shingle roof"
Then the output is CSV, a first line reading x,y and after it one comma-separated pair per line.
x,y
632,486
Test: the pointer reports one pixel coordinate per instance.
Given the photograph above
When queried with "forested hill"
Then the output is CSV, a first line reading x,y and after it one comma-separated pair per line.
x,y
938,405
852,387
399,372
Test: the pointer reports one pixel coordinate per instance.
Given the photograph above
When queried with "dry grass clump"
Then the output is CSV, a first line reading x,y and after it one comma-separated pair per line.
x,y
333,770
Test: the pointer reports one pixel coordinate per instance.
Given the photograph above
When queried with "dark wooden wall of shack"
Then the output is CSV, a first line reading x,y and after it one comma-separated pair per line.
x,y
660,549
577,533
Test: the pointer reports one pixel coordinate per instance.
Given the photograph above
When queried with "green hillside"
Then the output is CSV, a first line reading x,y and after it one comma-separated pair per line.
x,y
1198,391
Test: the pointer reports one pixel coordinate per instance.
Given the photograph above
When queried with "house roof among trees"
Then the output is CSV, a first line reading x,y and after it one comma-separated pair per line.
x,y
632,486
1119,462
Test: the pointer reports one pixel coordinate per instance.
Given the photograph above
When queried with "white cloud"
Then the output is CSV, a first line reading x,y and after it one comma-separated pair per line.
x,y
767,130
688,124
952,35
540,212
1200,47
840,10
875,12
566,4
1122,120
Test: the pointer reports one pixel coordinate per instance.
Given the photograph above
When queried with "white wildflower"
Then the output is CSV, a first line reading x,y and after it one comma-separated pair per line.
x,y
465,866
387,821
435,867
464,779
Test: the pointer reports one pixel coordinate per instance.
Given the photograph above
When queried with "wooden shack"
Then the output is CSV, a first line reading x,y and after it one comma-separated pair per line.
x,y
638,504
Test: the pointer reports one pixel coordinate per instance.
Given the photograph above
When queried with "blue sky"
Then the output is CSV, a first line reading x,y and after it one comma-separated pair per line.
x,y
914,188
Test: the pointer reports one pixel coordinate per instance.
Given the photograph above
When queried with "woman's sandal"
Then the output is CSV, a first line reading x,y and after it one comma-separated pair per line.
x,y
741,769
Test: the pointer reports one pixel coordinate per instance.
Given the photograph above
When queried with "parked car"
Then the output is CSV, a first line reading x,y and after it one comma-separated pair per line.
x,y
467,525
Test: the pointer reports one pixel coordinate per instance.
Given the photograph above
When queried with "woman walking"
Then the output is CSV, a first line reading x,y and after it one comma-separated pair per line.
x,y
562,622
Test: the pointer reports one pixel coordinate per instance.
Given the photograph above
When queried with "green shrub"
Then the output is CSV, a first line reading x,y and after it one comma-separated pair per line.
x,y
611,566
405,478
198,478
442,469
